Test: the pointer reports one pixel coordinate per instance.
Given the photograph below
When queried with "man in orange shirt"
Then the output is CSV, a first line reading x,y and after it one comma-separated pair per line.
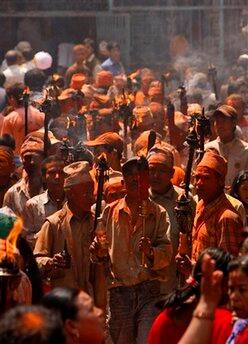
x,y
216,223
14,122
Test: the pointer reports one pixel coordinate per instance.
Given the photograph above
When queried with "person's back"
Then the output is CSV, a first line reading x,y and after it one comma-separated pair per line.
x,y
14,122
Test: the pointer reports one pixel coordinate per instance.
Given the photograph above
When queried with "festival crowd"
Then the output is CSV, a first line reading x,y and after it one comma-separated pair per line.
x,y
124,200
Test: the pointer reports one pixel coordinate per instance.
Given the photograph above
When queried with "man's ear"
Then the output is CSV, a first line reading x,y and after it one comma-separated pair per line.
x,y
172,172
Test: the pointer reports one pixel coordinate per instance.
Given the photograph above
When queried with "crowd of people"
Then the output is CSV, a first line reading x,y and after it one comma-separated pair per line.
x,y
124,200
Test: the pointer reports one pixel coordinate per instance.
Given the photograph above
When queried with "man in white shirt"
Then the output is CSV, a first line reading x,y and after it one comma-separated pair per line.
x,y
14,73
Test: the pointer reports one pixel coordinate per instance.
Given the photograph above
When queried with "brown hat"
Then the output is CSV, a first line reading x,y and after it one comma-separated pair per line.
x,y
32,143
105,112
66,94
227,111
77,173
104,78
143,116
214,162
77,81
141,144
100,101
113,185
161,156
110,138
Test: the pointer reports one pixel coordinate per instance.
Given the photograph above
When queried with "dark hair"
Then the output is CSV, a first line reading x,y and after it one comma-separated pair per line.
x,y
11,57
2,79
7,140
35,79
48,160
240,263
62,300
28,54
31,325
112,45
90,42
241,177
232,88
129,165
179,296
31,269
16,91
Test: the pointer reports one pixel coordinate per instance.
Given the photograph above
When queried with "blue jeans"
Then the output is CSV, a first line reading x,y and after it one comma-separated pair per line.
x,y
132,311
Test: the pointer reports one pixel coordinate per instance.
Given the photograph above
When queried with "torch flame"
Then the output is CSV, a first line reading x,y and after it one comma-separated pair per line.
x,y
9,249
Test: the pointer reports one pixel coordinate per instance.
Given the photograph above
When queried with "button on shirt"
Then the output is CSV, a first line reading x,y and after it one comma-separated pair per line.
x,y
115,68
124,238
236,154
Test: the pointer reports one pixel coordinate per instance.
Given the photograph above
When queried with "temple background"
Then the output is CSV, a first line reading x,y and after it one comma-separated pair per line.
x,y
144,28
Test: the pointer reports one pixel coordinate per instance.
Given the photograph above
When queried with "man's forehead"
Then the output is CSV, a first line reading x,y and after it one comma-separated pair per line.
x,y
201,170
55,164
32,153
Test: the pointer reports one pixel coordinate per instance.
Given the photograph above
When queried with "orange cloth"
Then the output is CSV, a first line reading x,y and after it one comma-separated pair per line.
x,y
141,99
104,79
32,144
163,157
14,124
155,94
110,138
6,161
114,189
77,173
158,111
77,81
67,94
178,176
214,162
216,225
140,145
143,116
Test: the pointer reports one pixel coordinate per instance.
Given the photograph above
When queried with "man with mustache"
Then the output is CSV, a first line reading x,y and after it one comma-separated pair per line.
x,y
133,288
62,246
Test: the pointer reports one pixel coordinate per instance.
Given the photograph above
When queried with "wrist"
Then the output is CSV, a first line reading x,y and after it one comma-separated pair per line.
x,y
203,314
206,306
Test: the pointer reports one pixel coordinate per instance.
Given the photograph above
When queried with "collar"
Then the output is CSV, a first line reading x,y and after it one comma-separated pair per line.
x,y
212,205
234,140
23,186
47,198
13,67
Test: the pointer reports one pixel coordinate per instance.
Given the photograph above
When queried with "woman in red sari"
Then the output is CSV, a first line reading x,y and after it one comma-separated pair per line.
x,y
179,306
